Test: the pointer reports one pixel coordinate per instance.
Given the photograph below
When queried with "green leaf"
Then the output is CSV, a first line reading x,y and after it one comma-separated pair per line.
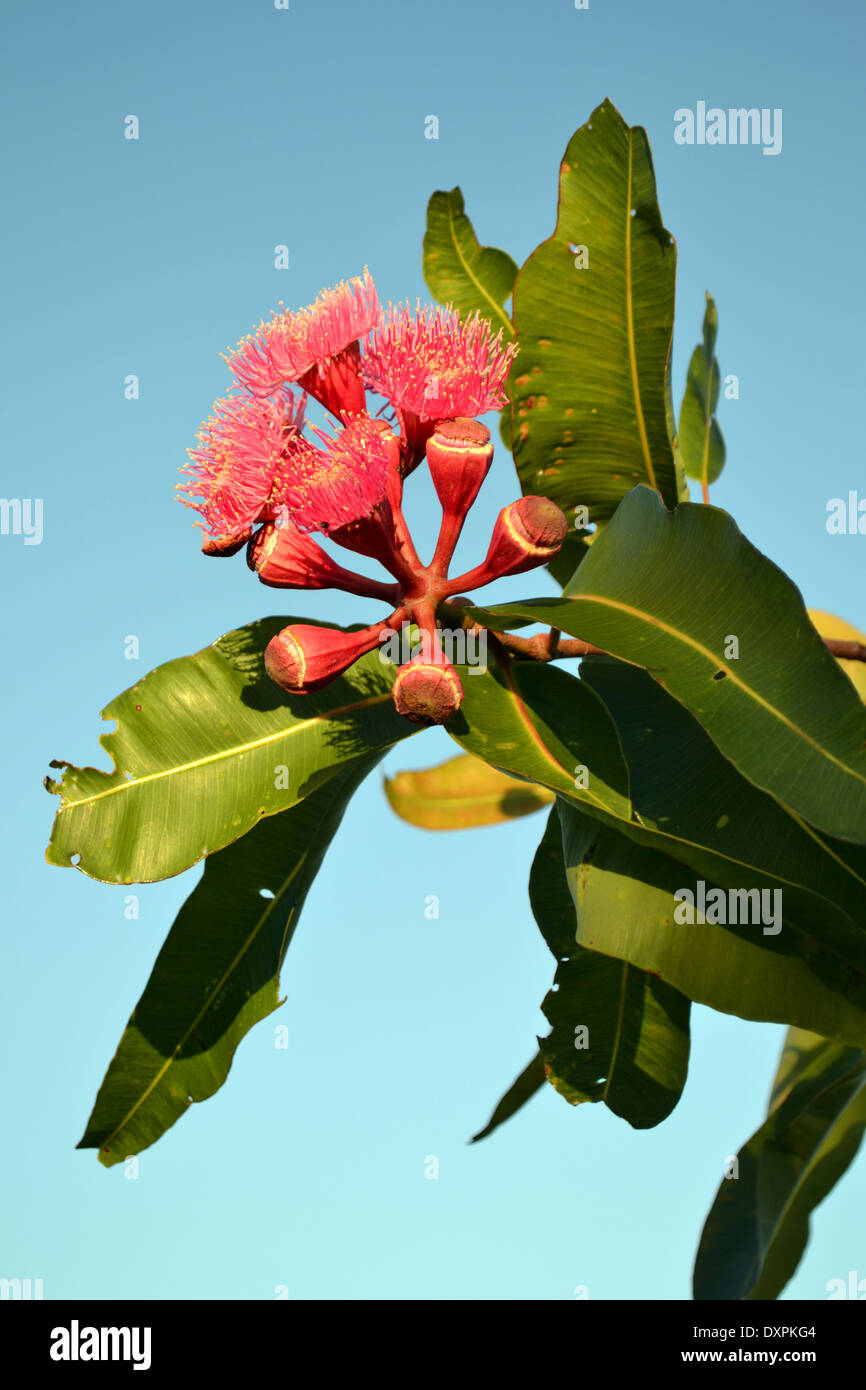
x,y
590,387
530,1080
459,271
217,973
203,750
758,1226
549,894
626,904
619,1035
670,592
538,721
700,439
681,784
462,793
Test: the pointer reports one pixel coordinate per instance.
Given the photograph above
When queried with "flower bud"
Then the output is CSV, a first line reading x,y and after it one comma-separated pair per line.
x,y
226,545
426,692
459,453
527,533
285,558
303,658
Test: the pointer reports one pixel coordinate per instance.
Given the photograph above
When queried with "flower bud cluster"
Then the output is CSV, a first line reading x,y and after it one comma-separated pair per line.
x,y
259,481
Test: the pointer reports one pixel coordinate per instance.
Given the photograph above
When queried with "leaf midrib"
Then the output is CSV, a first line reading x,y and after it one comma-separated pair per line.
x,y
629,300
214,992
475,281
618,1031
731,673
235,751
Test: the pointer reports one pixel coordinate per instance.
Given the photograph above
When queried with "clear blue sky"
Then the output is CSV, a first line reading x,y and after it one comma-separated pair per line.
x,y
306,127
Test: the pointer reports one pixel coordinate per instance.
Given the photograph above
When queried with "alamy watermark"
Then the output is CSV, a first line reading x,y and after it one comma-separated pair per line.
x,y
77,1343
21,1289
735,126
846,517
22,516
455,645
732,907
854,1287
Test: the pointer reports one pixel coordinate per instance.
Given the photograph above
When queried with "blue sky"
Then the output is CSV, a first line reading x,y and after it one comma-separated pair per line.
x,y
305,127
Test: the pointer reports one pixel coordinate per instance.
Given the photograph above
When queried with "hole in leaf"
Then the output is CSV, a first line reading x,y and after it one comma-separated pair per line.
x,y
720,675
265,893
75,859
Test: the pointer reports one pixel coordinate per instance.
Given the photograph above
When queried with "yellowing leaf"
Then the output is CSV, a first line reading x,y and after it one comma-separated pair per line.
x,y
830,626
461,793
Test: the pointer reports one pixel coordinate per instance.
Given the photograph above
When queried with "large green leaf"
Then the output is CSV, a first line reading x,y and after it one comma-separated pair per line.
x,y
459,271
206,746
539,722
618,1035
758,1226
590,389
462,793
673,592
217,973
700,440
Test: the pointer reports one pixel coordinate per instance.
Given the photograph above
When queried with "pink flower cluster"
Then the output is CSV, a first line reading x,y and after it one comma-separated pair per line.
x,y
258,479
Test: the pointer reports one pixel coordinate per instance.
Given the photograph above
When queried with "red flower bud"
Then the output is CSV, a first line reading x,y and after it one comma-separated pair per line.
x,y
226,545
459,453
303,658
427,693
285,558
527,533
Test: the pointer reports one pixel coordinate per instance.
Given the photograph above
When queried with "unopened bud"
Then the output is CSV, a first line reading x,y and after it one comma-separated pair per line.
x,y
535,524
459,453
285,558
527,533
303,658
426,692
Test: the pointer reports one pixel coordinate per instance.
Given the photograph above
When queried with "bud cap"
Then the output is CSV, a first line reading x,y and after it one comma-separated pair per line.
x,y
426,692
